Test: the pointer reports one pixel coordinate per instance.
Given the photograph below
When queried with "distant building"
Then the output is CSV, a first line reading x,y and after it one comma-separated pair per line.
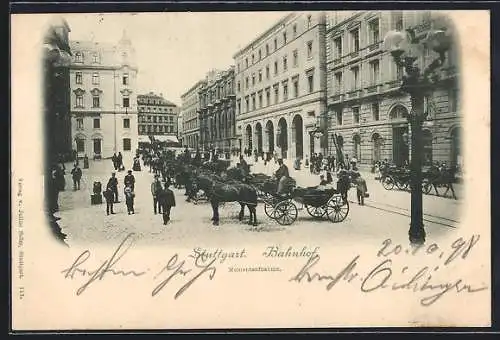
x,y
103,98
180,128
190,120
367,111
157,117
281,86
217,111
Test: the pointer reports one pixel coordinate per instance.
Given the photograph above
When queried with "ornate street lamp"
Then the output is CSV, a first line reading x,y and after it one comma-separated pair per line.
x,y
417,83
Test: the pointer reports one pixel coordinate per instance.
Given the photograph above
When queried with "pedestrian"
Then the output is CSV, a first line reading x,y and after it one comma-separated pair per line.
x,y
114,159
109,197
120,161
113,184
129,179
361,189
76,173
343,183
129,199
306,163
329,178
155,190
167,201
322,180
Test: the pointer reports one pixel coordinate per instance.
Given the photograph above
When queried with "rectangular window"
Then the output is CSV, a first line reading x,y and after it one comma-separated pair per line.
x,y
375,111
310,82
453,100
79,57
374,72
355,78
275,44
239,87
294,30
253,102
260,54
239,106
127,145
267,49
373,27
309,21
355,40
337,44
285,91
79,78
80,145
95,78
253,59
247,83
275,68
309,49
284,38
95,58
95,101
97,123
126,102
79,123
125,79
253,79
126,123
247,104
285,63
260,99
268,96
338,82
339,116
276,94
295,58
268,73
296,87
154,119
355,115
260,76
246,62
79,101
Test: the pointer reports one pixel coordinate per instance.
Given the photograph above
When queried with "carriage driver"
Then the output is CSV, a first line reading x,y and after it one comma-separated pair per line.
x,y
282,176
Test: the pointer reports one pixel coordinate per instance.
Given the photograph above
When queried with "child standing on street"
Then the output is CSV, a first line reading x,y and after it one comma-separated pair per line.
x,y
129,198
166,199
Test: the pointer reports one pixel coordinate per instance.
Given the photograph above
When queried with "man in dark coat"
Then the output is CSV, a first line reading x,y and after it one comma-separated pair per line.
x,y
167,201
113,184
244,166
115,161
282,176
155,191
76,173
109,197
129,179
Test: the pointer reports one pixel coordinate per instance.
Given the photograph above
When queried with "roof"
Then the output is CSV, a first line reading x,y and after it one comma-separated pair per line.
x,y
90,45
152,95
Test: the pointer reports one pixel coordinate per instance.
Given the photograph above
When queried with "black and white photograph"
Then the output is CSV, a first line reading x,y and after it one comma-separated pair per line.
x,y
250,169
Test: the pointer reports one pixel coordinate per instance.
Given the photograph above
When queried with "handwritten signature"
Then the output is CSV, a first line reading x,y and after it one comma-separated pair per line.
x,y
381,277
174,267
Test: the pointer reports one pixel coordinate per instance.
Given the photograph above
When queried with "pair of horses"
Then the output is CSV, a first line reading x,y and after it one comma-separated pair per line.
x,y
219,190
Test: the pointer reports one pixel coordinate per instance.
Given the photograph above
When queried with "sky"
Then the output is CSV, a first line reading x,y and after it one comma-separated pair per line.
x,y
175,50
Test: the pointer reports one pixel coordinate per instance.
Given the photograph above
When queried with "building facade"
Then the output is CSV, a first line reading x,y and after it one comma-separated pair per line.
x,y
190,120
367,110
180,126
103,98
157,117
281,87
217,111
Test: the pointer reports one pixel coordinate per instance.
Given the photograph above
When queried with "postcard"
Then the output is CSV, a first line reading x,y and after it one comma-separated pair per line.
x,y
189,170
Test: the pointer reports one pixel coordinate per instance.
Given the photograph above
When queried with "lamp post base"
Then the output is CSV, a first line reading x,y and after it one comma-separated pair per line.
x,y
417,234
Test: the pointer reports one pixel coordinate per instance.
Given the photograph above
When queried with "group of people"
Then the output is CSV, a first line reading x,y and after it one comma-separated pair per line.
x,y
118,161
163,196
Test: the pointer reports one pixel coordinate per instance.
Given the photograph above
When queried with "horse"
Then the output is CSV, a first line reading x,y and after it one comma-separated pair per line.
x,y
219,191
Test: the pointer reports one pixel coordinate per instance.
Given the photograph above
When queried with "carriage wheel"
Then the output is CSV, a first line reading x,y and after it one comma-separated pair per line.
x,y
426,186
316,212
388,183
269,208
286,212
336,209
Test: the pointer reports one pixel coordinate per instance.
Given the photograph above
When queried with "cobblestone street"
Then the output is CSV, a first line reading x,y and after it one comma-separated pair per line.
x,y
385,214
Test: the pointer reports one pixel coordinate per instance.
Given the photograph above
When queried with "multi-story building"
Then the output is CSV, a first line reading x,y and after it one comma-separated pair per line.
x,y
281,86
367,110
190,120
217,111
103,98
157,117
180,131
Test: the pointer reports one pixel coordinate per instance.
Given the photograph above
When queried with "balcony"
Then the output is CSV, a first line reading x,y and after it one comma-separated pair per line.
x,y
374,47
353,94
372,89
335,98
394,84
354,55
337,61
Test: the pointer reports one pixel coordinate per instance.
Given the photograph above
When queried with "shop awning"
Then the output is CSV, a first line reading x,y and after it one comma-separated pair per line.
x,y
170,139
143,139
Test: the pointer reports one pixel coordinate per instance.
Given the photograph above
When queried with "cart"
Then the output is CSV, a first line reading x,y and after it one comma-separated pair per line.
x,y
319,203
